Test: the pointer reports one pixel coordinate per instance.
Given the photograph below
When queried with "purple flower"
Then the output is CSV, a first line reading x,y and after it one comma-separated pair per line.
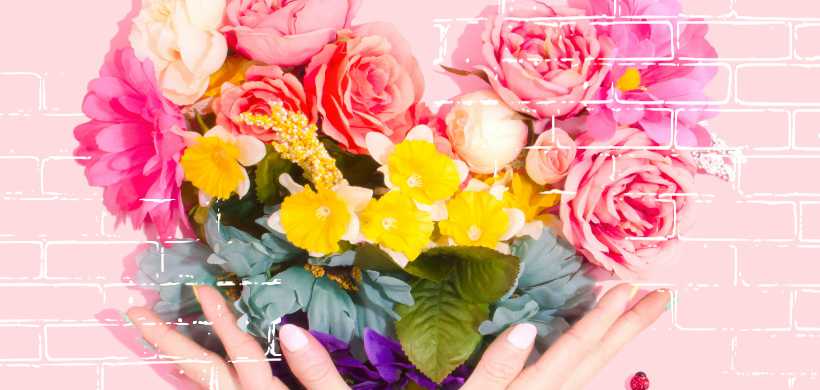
x,y
387,367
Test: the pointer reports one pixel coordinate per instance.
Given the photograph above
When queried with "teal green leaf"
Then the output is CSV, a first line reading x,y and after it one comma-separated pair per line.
x,y
439,332
331,310
480,275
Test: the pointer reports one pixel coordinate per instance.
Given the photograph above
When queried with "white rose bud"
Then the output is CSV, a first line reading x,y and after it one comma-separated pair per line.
x,y
485,132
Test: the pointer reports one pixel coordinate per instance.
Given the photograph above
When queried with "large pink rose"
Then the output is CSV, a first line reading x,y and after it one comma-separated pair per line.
x,y
263,85
624,204
366,81
285,32
544,69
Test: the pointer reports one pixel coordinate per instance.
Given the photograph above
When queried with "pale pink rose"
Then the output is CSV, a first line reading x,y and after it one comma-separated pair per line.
x,y
263,85
623,205
485,132
549,159
366,81
285,32
544,69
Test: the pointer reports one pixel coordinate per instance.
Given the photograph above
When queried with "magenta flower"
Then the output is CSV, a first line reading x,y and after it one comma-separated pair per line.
x,y
130,148
643,94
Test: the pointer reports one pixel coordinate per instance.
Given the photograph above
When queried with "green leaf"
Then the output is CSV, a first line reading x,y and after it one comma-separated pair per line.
x,y
369,256
439,332
358,169
268,189
480,275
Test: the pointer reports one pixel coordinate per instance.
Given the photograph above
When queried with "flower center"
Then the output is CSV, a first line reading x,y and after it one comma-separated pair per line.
x,y
630,80
322,212
388,223
474,233
414,181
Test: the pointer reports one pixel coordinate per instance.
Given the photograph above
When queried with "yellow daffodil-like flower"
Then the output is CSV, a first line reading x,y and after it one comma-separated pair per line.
x,y
233,71
315,221
415,167
475,219
527,196
215,163
397,224
419,170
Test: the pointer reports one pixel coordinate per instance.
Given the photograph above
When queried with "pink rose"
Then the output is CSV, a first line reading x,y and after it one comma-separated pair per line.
x,y
624,208
544,69
263,85
549,160
367,81
285,32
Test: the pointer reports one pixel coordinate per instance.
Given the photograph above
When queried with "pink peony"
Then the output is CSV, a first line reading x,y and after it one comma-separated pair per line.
x,y
544,69
367,81
131,148
285,32
263,85
623,208
657,83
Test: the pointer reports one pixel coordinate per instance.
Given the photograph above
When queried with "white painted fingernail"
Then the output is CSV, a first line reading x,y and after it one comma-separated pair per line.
x,y
292,337
522,336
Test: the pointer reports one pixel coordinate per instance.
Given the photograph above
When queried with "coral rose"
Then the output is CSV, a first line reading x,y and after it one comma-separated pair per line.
x,y
624,207
365,81
263,85
285,32
549,160
544,69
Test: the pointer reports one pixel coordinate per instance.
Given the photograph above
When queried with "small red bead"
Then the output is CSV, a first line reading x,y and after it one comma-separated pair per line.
x,y
639,381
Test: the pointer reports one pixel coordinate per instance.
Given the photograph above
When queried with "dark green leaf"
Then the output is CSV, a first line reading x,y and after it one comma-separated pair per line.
x,y
268,189
480,275
371,257
439,332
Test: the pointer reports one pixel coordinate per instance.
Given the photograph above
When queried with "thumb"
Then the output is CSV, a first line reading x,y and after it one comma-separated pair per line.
x,y
504,359
309,361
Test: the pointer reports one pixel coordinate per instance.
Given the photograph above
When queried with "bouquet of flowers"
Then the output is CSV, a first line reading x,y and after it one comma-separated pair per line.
x,y
283,154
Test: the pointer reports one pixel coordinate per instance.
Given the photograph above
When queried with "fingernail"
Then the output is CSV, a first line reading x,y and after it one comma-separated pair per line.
x,y
196,293
522,336
292,337
633,292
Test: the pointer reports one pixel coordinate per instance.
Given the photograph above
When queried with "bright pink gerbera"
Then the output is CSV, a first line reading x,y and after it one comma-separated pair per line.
x,y
647,101
130,148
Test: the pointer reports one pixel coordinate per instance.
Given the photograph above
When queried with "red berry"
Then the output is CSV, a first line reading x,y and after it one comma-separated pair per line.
x,y
639,381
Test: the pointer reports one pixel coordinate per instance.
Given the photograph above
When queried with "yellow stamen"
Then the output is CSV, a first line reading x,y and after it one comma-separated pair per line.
x,y
630,80
298,141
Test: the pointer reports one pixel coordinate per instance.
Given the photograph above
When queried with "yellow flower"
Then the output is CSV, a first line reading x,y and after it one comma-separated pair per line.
x,y
422,172
233,71
395,222
315,221
475,219
214,163
525,195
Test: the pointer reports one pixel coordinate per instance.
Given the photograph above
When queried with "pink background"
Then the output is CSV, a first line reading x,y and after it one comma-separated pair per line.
x,y
747,289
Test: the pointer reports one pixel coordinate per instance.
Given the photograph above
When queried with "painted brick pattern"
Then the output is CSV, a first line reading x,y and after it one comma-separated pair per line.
x,y
747,286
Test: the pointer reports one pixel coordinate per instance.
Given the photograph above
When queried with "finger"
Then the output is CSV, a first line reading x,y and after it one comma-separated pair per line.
x,y
503,360
248,358
197,363
628,326
309,361
554,367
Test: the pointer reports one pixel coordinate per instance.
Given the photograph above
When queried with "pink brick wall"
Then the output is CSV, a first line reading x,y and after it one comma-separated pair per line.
x,y
747,287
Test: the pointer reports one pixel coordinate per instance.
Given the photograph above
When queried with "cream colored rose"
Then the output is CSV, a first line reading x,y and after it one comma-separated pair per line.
x,y
181,39
485,132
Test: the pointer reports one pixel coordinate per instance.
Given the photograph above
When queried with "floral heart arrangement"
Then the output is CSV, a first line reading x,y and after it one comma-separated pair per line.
x,y
283,154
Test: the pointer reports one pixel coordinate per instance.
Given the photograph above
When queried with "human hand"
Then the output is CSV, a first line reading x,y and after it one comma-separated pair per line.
x,y
572,360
